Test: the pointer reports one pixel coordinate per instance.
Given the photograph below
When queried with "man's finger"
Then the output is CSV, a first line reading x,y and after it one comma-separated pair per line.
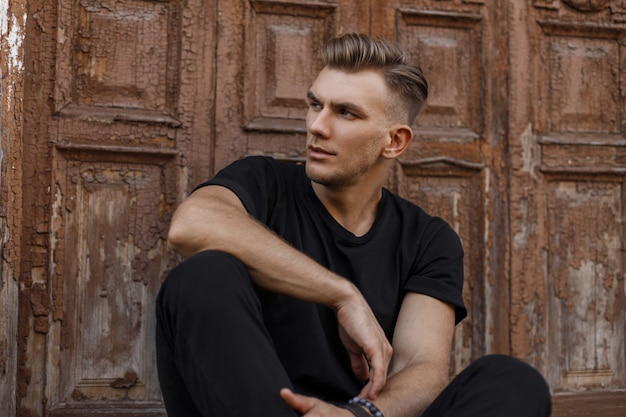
x,y
373,387
360,367
300,403
378,373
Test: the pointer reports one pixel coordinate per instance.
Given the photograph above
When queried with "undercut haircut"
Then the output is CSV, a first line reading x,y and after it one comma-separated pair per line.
x,y
355,52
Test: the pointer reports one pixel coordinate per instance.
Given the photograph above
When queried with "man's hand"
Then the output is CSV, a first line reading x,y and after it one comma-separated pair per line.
x,y
312,407
370,351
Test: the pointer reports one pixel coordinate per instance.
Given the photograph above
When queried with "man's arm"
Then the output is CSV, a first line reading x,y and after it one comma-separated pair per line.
x,y
213,218
422,342
419,370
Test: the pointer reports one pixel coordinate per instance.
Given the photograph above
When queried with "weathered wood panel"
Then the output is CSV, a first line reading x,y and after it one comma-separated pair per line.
x,y
119,54
110,215
606,404
584,64
114,209
117,104
13,19
118,77
586,290
567,178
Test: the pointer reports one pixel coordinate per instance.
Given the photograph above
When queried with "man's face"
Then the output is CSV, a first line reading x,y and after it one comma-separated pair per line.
x,y
347,126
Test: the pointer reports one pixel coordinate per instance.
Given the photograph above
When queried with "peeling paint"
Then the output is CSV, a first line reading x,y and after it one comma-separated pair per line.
x,y
520,240
4,16
12,37
4,25
15,39
528,151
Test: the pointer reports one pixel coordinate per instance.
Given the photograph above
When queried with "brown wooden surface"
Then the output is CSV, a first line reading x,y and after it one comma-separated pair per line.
x,y
130,103
605,404
116,98
13,20
566,138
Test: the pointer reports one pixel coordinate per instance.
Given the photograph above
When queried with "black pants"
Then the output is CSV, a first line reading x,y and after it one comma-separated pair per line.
x,y
215,358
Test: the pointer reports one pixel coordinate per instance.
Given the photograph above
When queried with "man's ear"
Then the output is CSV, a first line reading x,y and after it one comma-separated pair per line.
x,y
400,138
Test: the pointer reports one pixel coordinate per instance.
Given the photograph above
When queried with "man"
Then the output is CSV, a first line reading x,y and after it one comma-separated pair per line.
x,y
306,287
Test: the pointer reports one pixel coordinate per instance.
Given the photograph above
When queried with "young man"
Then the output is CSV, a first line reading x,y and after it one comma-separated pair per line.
x,y
307,286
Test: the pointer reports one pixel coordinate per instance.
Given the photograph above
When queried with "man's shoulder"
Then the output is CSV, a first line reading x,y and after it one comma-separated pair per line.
x,y
412,213
405,206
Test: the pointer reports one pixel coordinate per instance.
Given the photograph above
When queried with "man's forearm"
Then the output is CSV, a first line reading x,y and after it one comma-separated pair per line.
x,y
215,223
277,266
422,341
409,392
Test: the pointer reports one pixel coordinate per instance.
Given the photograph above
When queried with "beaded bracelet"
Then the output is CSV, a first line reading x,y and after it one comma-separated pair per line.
x,y
357,410
374,411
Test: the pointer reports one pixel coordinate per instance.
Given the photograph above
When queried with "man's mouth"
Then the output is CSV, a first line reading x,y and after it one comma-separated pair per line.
x,y
316,150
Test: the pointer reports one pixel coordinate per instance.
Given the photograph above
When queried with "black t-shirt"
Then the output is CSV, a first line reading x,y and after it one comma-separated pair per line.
x,y
405,250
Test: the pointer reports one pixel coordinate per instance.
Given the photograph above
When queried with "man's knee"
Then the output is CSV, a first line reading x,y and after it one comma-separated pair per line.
x,y
203,276
496,364
515,378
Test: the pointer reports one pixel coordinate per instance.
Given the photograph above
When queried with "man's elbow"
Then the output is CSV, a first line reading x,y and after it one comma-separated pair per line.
x,y
178,238
174,238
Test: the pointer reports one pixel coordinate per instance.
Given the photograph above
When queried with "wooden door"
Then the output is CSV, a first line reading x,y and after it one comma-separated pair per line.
x,y
130,103
568,164
118,111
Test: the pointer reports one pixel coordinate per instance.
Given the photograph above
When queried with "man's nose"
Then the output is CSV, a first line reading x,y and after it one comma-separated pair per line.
x,y
319,123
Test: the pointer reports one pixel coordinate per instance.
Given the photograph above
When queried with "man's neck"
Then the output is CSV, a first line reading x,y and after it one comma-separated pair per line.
x,y
353,207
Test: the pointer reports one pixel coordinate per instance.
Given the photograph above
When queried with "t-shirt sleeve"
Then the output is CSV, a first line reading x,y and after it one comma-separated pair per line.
x,y
438,270
253,180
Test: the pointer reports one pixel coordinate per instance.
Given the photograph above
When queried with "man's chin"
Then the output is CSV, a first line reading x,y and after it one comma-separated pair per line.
x,y
317,177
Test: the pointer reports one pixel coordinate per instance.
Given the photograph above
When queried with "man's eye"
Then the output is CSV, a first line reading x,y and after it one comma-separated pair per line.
x,y
315,105
346,112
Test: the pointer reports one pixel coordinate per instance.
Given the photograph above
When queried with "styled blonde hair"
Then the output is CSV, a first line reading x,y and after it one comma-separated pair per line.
x,y
354,52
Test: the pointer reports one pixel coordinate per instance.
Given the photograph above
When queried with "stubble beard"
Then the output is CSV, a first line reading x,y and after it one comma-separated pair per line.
x,y
334,179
